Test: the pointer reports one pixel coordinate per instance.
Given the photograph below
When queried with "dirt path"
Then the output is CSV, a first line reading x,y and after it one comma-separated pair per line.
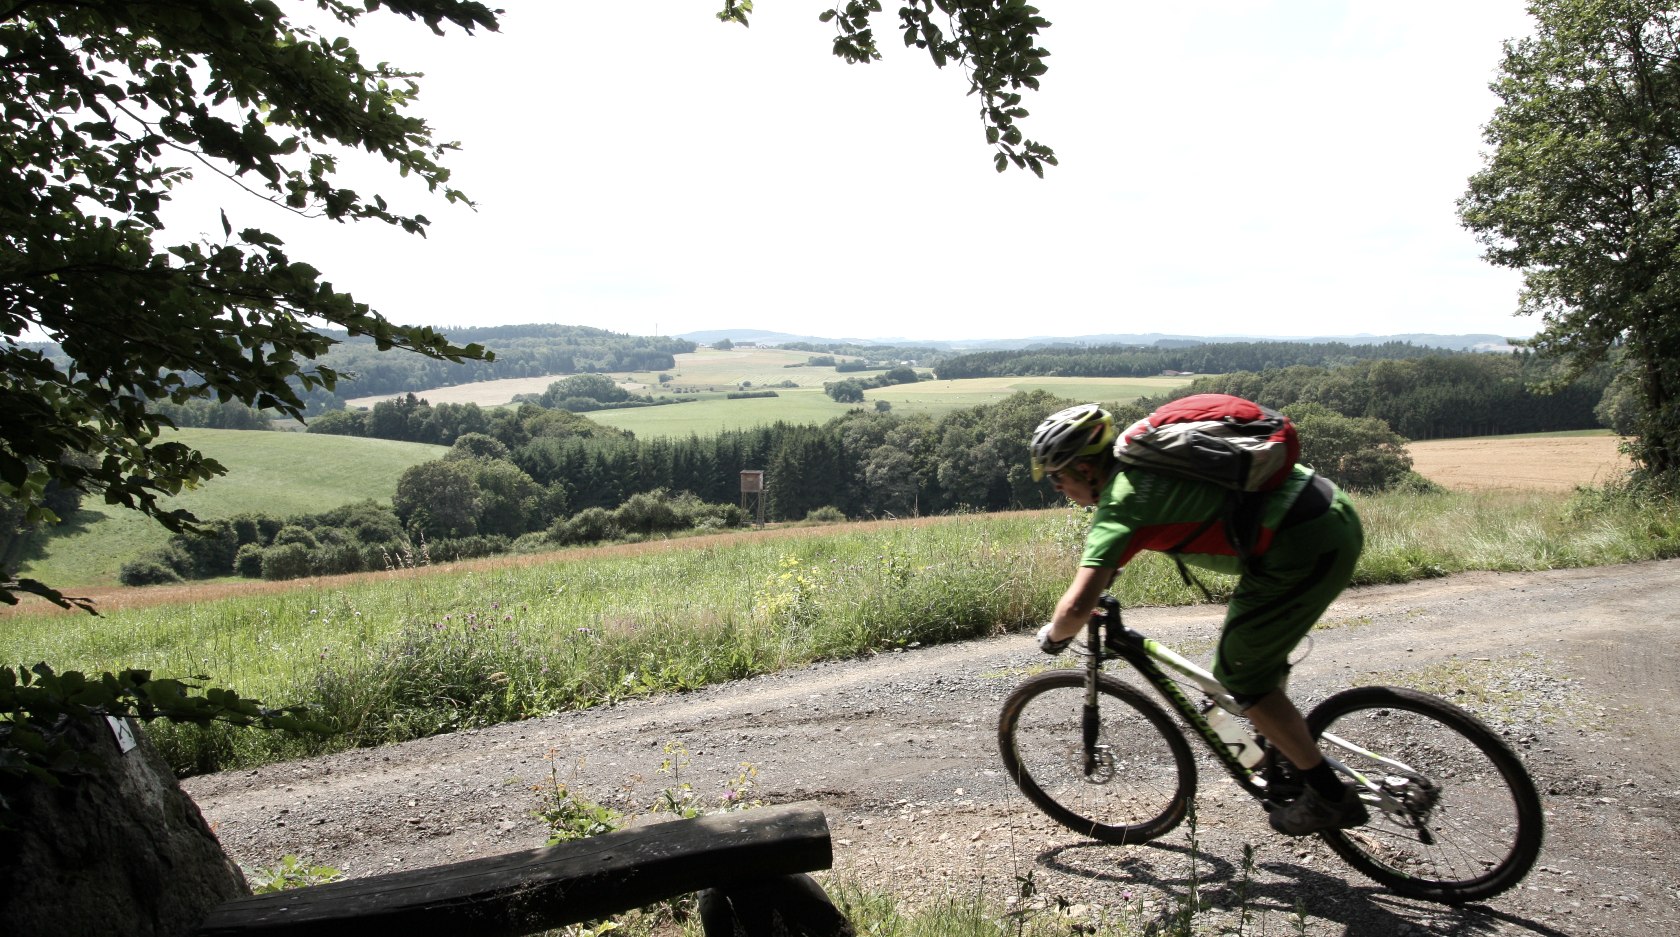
x,y
1576,668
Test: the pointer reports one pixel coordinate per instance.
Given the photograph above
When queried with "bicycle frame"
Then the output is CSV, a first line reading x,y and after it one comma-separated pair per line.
x,y
1154,660
1157,663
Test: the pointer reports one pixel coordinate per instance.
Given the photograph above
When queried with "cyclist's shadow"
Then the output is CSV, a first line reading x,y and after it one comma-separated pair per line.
x,y
1275,890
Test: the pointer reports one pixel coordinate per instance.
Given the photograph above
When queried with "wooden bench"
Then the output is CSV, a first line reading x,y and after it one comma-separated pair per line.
x,y
539,889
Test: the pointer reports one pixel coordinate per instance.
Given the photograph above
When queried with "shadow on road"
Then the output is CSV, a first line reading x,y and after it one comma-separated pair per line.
x,y
1182,883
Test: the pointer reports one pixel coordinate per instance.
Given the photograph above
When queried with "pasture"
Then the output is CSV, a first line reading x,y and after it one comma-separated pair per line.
x,y
273,473
706,376
707,370
810,405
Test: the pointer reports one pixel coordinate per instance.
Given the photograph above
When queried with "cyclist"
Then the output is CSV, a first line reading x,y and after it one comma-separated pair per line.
x,y
1303,555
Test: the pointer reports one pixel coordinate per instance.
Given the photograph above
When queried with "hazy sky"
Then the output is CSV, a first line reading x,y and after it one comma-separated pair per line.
x,y
1275,167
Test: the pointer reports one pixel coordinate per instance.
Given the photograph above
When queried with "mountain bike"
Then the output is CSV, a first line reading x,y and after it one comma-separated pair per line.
x,y
1454,816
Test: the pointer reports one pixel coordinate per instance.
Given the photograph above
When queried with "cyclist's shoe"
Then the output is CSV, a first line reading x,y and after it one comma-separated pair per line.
x,y
1313,813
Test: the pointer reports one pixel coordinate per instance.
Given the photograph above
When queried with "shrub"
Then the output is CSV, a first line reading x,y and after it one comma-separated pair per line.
x,y
714,516
338,558
465,548
591,525
288,561
248,561
1414,484
149,571
295,534
827,514
649,512
201,556
256,528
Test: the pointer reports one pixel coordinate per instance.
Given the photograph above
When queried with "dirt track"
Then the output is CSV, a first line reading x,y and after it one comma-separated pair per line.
x,y
1576,668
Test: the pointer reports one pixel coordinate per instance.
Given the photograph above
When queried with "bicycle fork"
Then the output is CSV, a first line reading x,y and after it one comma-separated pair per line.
x,y
1091,721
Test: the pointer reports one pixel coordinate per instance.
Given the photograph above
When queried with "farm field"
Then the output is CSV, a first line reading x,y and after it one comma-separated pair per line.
x,y
811,405
707,370
1547,462
707,375
275,473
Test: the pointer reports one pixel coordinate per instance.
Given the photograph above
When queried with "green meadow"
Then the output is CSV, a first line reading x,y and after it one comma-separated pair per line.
x,y
275,473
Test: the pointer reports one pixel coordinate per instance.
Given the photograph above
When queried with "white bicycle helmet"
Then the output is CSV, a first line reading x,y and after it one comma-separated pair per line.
x,y
1065,435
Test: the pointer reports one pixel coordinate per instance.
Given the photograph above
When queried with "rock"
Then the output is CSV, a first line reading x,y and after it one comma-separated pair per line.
x,y
120,850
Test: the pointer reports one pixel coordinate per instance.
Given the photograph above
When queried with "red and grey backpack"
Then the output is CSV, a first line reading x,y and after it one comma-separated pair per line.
x,y
1218,438
1232,442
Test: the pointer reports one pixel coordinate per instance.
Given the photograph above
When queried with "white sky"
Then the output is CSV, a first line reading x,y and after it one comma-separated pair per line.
x,y
1270,167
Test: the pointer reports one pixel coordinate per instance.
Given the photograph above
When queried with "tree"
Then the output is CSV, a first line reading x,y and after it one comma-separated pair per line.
x,y
108,106
992,40
438,499
509,502
847,391
1581,192
1357,453
596,387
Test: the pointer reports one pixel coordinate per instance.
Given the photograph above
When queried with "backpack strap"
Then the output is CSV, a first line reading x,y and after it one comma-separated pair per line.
x,y
1183,570
1241,517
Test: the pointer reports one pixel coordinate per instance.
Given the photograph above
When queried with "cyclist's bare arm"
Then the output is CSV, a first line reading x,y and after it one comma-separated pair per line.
x,y
1076,605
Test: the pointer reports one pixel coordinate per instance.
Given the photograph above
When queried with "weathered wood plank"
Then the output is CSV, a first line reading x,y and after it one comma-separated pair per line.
x,y
526,892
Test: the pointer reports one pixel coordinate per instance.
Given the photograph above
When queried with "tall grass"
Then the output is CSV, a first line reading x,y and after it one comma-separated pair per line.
x,y
392,659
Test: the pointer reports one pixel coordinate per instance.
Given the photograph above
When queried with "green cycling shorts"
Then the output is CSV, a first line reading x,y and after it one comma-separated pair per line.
x,y
1282,595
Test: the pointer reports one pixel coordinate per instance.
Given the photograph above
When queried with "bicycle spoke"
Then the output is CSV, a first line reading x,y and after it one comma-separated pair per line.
x,y
1138,781
1461,823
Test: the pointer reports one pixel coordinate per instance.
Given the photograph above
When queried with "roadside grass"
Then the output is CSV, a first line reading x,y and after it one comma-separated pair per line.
x,y
329,471
388,659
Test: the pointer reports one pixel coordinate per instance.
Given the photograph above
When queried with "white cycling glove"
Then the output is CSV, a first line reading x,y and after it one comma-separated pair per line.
x,y
1051,645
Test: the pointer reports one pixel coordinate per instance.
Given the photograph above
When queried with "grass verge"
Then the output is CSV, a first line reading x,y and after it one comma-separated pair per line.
x,y
389,659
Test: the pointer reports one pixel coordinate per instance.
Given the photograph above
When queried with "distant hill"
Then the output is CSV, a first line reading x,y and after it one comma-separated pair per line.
x,y
1474,342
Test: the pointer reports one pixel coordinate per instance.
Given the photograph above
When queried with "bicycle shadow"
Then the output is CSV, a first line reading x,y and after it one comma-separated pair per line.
x,y
1271,890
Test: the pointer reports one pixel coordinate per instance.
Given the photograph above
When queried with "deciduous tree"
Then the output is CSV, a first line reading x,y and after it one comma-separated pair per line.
x,y
1581,192
110,105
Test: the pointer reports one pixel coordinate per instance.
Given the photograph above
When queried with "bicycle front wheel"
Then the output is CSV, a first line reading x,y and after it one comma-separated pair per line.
x,y
1134,785
1459,819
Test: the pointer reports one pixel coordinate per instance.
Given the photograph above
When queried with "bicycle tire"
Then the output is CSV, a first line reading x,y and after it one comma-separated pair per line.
x,y
1484,823
1142,788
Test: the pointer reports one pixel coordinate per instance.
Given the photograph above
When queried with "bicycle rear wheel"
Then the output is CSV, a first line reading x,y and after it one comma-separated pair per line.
x,y
1139,781
1465,827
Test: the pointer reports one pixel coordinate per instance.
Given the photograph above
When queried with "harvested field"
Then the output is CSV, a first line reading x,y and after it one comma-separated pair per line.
x,y
1547,462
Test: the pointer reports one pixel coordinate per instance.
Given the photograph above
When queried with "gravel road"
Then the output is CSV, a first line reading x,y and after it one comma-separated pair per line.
x,y
1576,668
